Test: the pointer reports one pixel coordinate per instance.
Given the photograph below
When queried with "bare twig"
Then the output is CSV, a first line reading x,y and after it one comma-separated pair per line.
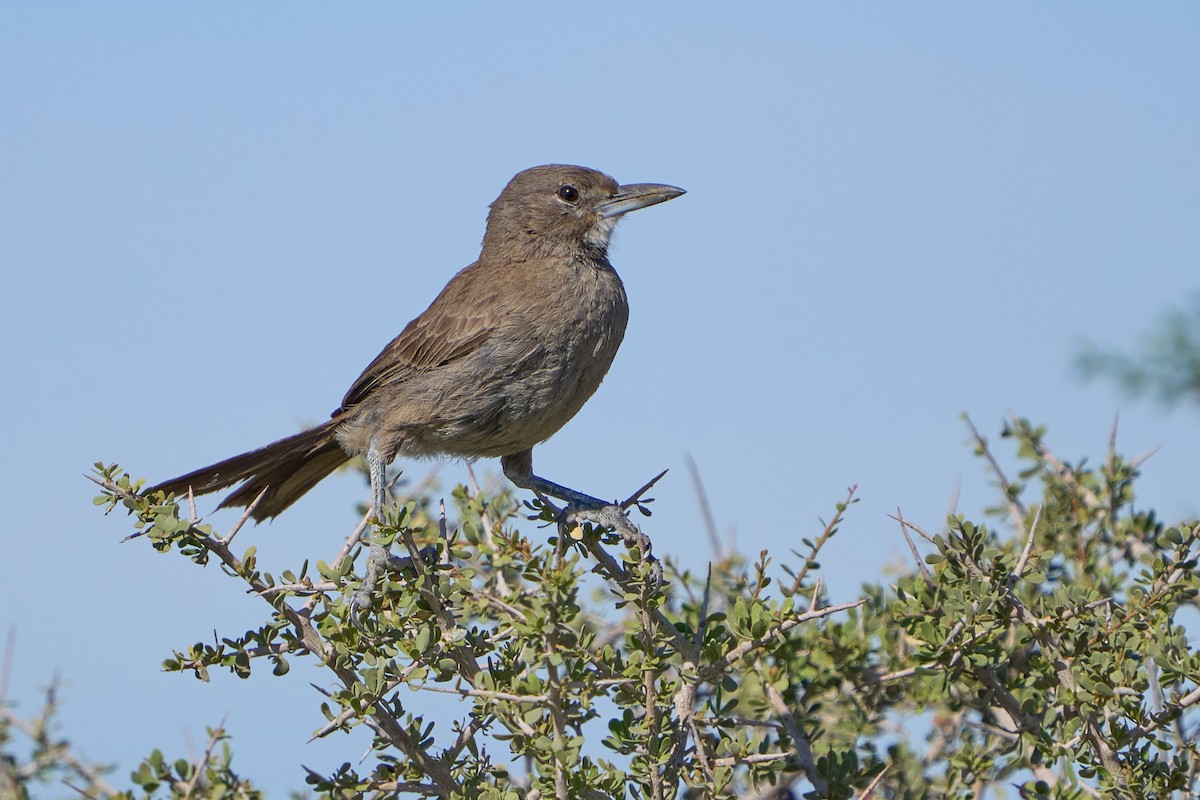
x,y
753,758
830,529
558,720
1019,569
912,547
10,646
49,750
1137,461
898,675
474,726
304,587
487,694
636,496
702,753
866,793
710,524
804,753
351,541
652,711
952,505
245,515
214,736
924,534
467,663
1015,510
700,624
721,664
486,524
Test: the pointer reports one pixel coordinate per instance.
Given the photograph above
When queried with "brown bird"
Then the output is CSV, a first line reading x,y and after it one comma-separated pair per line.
x,y
503,357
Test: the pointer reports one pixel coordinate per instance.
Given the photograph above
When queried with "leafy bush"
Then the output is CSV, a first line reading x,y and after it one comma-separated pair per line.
x,y
1043,652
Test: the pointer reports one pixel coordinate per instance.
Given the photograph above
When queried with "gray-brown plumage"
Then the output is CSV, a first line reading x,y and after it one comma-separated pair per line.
x,y
507,353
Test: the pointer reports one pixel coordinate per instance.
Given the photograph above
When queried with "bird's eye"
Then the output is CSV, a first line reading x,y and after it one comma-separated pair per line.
x,y
568,192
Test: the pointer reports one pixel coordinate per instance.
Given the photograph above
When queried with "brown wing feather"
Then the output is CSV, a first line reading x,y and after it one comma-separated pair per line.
x,y
446,331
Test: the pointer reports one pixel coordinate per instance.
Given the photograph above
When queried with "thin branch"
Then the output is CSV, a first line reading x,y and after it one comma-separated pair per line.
x,y
396,788
351,541
647,486
922,567
57,750
303,588
245,515
753,758
474,726
866,793
214,736
710,523
462,655
1015,509
730,658
952,505
924,534
1162,718
804,753
558,720
702,753
894,676
533,699
616,573
1137,462
830,529
1019,570
486,525
10,646
700,626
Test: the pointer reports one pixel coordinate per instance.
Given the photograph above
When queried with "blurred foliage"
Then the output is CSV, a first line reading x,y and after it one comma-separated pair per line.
x,y
1165,365
1036,653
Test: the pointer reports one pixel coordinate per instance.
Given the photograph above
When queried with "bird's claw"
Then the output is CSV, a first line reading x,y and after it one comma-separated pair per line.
x,y
379,560
615,518
359,602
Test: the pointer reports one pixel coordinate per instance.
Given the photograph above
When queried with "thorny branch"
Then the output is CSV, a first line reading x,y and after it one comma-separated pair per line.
x,y
437,769
677,674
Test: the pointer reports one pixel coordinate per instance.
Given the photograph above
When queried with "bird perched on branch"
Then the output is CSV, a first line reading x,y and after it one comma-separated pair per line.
x,y
503,357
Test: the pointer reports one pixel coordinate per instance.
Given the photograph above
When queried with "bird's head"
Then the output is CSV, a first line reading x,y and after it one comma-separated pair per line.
x,y
555,208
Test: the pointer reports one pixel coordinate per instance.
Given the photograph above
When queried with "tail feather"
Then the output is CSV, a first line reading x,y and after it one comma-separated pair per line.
x,y
285,469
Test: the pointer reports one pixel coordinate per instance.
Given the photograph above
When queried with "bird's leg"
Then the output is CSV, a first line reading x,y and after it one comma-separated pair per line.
x,y
379,556
379,497
518,468
379,490
581,508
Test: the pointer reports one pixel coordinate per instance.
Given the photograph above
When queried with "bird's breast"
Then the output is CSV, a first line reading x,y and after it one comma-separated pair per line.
x,y
570,339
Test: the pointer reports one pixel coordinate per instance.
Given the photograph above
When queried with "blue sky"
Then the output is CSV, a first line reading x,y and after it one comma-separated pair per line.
x,y
213,216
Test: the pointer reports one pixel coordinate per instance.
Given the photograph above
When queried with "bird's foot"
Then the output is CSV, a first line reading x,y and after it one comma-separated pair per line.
x,y
583,509
360,601
380,560
614,518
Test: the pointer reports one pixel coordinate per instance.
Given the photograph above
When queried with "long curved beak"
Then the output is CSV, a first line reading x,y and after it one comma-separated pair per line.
x,y
637,195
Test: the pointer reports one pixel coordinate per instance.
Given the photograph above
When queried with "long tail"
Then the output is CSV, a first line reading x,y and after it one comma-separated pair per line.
x,y
286,469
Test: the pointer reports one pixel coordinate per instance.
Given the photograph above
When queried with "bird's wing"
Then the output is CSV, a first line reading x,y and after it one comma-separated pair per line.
x,y
437,337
